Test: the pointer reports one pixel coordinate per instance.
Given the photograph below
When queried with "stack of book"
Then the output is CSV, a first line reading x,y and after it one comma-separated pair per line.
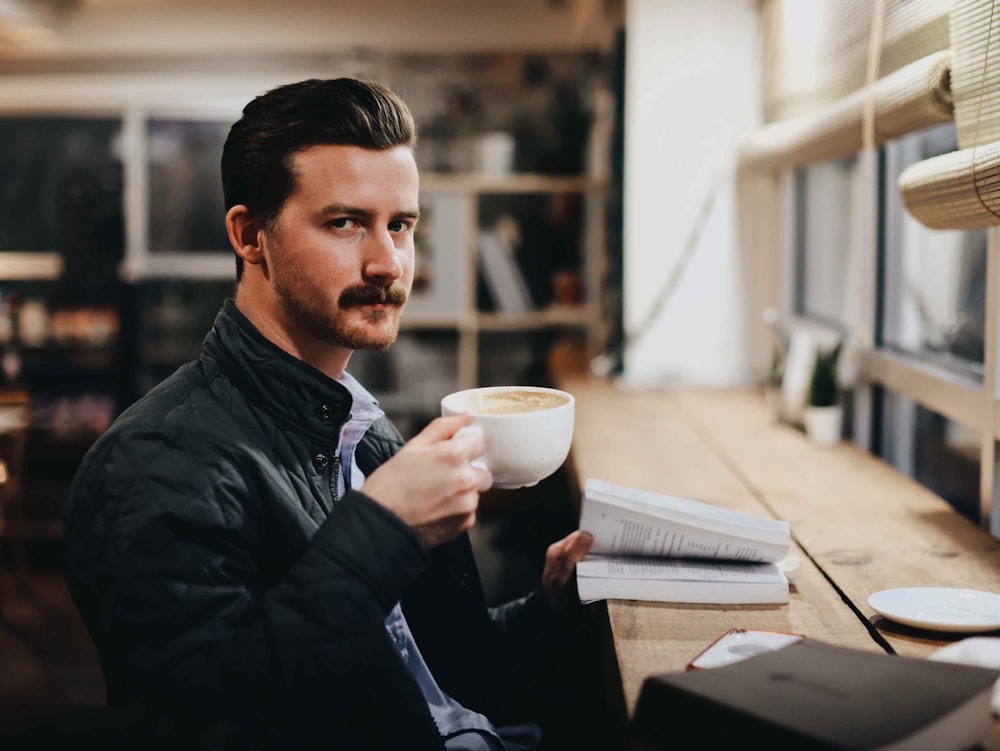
x,y
649,546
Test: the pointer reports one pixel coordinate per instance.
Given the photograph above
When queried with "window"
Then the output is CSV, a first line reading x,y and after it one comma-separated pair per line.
x,y
65,183
826,195
175,203
831,249
932,335
862,264
185,192
934,285
941,454
60,198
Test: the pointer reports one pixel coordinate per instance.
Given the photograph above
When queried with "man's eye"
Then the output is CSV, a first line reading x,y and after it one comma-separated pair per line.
x,y
400,226
342,222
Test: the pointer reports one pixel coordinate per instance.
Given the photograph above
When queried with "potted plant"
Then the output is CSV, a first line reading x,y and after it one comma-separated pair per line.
x,y
823,416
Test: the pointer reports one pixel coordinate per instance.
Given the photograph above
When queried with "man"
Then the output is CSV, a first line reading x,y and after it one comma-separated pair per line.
x,y
240,588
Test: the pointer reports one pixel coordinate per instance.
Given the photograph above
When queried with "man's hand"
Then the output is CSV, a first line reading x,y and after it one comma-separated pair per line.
x,y
560,560
430,483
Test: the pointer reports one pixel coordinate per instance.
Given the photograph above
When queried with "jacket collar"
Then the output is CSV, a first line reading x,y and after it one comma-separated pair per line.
x,y
294,392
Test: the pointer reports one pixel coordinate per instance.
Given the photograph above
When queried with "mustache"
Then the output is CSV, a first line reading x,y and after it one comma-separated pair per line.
x,y
373,294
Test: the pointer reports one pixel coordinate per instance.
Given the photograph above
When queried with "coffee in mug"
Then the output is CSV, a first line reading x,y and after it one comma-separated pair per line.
x,y
513,401
527,429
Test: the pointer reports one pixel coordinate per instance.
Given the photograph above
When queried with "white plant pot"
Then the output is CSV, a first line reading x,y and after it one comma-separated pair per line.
x,y
823,424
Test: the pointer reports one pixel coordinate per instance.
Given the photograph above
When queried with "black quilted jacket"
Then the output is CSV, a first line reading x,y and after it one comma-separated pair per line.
x,y
234,605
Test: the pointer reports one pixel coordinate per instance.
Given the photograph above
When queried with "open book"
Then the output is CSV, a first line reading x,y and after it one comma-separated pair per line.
x,y
649,546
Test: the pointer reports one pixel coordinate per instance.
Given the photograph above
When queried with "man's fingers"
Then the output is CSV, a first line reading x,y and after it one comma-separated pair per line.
x,y
560,560
573,547
470,439
562,556
440,429
485,478
467,439
578,545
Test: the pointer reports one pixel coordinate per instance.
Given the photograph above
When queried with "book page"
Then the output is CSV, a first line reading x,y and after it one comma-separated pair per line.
x,y
694,513
619,567
679,580
624,531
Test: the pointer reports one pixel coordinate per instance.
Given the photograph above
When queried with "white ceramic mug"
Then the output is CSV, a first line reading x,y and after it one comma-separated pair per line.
x,y
528,429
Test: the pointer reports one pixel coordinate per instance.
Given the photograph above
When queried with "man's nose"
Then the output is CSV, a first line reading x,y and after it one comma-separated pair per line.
x,y
382,260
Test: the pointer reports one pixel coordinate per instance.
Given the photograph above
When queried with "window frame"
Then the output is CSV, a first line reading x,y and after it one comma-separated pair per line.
x,y
958,396
139,263
17,265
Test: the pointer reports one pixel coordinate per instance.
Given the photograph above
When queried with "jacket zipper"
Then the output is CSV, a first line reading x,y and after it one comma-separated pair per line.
x,y
335,479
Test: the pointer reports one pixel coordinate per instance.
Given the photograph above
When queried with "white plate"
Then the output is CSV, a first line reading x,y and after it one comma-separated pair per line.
x,y
939,608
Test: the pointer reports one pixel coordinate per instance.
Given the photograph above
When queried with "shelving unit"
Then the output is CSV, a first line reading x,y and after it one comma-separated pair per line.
x,y
449,326
457,245
451,307
70,394
151,243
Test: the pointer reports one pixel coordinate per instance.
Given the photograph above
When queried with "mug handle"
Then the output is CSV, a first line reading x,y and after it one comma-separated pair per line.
x,y
473,430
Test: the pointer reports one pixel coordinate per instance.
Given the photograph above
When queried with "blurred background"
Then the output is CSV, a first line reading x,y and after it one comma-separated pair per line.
x,y
612,188
114,258
113,253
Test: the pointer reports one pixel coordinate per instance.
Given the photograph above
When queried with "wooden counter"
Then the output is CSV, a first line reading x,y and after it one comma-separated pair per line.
x,y
858,526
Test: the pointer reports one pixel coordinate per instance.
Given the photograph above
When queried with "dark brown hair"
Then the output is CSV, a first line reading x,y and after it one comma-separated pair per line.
x,y
256,169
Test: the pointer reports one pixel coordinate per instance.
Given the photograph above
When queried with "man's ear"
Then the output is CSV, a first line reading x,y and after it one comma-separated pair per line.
x,y
244,234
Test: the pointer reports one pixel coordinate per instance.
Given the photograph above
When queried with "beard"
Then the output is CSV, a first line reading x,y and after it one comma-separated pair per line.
x,y
348,326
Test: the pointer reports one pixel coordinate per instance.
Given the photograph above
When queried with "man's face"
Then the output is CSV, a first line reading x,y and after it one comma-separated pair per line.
x,y
339,255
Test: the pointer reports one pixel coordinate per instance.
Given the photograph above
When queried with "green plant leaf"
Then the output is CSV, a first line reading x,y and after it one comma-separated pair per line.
x,y
824,390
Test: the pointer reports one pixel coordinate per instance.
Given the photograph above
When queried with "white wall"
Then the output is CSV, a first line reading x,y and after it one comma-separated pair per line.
x,y
692,92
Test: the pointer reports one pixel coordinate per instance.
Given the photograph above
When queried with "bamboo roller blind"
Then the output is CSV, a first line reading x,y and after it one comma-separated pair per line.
x,y
931,60
976,75
961,190
816,51
911,98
